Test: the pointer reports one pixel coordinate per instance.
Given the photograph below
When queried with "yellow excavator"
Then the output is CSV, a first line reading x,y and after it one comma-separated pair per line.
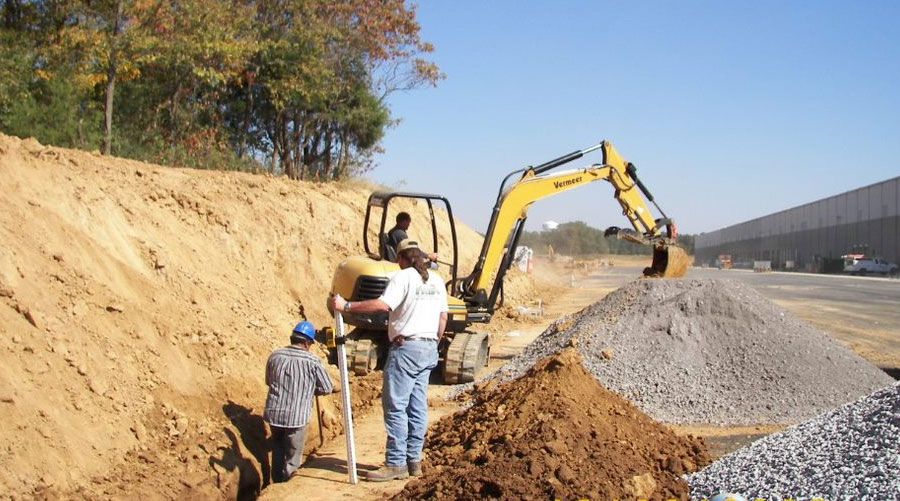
x,y
473,298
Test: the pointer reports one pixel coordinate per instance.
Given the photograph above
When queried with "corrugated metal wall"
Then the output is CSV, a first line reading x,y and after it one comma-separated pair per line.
x,y
867,217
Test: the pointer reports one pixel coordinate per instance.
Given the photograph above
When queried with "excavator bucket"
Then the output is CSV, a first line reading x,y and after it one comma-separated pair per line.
x,y
669,261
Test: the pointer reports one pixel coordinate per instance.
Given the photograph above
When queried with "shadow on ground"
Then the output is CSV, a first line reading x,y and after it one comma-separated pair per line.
x,y
254,471
334,463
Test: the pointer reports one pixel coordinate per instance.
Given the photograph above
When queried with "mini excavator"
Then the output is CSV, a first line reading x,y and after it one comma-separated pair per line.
x,y
473,298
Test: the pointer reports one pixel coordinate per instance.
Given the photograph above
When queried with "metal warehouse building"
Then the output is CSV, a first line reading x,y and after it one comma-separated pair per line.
x,y
814,236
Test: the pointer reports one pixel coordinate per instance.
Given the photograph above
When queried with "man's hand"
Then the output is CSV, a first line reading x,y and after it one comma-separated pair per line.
x,y
433,256
338,303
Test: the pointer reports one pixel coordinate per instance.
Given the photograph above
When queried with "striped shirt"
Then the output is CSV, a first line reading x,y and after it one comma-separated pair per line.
x,y
293,376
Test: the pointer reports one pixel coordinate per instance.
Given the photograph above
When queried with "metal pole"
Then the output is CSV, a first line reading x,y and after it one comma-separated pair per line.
x,y
345,396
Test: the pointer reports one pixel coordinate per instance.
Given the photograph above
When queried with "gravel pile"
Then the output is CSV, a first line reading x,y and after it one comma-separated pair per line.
x,y
707,351
852,452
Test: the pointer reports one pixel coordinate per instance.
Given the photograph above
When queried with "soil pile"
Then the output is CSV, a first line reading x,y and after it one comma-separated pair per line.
x,y
554,433
852,452
138,305
708,351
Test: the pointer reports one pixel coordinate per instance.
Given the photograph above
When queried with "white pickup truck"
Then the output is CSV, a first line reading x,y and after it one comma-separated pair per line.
x,y
866,265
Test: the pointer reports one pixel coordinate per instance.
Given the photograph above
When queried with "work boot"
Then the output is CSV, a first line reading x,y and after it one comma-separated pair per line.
x,y
415,468
386,473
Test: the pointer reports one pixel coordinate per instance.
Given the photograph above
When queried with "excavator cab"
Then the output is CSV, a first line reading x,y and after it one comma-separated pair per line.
x,y
381,210
365,277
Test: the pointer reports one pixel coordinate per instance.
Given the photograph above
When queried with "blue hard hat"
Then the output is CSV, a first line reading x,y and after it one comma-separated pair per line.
x,y
306,330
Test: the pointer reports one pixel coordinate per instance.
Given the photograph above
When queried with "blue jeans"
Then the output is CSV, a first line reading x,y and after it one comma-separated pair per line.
x,y
404,399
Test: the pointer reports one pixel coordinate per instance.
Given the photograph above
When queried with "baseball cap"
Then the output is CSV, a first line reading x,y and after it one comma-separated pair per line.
x,y
406,244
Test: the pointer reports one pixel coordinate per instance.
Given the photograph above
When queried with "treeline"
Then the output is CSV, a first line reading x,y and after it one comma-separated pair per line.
x,y
579,239
294,87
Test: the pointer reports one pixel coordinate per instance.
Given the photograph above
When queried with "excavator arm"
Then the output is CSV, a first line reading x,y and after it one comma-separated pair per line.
x,y
482,288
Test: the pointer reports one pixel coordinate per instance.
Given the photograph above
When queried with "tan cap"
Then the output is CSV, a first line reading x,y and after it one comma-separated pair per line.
x,y
406,244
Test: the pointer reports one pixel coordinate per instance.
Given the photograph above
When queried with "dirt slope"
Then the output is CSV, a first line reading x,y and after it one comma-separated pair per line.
x,y
138,305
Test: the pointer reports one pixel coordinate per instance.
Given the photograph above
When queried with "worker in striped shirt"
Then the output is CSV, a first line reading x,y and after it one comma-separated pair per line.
x,y
293,375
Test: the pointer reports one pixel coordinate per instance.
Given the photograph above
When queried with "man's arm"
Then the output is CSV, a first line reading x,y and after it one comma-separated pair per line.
x,y
324,386
391,298
369,306
442,324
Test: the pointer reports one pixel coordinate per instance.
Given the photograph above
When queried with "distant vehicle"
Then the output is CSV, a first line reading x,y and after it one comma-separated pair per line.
x,y
862,265
762,266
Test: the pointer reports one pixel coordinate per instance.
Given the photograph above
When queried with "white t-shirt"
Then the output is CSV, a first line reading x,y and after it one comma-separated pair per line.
x,y
415,306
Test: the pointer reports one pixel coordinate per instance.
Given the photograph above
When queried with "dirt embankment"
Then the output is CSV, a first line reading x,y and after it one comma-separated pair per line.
x,y
555,433
138,305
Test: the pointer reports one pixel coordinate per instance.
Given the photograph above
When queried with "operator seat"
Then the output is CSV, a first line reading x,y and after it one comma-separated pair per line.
x,y
387,250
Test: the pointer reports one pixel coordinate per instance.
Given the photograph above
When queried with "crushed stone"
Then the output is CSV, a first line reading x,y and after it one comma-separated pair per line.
x,y
852,452
693,351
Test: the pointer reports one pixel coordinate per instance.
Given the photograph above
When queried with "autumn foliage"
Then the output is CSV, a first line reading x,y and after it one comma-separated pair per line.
x,y
294,87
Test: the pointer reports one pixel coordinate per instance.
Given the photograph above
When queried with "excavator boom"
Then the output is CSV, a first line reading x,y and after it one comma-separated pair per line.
x,y
481,289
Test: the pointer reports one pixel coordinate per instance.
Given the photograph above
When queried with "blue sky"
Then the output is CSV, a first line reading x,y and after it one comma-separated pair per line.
x,y
730,110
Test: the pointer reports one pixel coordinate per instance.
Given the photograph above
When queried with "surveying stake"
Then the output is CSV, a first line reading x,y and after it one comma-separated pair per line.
x,y
339,340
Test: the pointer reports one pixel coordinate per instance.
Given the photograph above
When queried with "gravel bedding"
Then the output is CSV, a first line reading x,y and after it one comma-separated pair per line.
x,y
852,452
693,351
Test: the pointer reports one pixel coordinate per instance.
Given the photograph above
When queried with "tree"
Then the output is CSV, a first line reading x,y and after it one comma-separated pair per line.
x,y
40,95
297,87
313,101
108,37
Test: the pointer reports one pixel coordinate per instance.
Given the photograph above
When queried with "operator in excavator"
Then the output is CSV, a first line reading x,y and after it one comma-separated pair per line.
x,y
398,234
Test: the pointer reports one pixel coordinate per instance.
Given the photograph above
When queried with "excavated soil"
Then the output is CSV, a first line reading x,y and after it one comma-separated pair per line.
x,y
138,305
554,433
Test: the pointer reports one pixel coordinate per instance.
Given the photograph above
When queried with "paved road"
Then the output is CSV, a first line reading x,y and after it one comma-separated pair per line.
x,y
864,312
